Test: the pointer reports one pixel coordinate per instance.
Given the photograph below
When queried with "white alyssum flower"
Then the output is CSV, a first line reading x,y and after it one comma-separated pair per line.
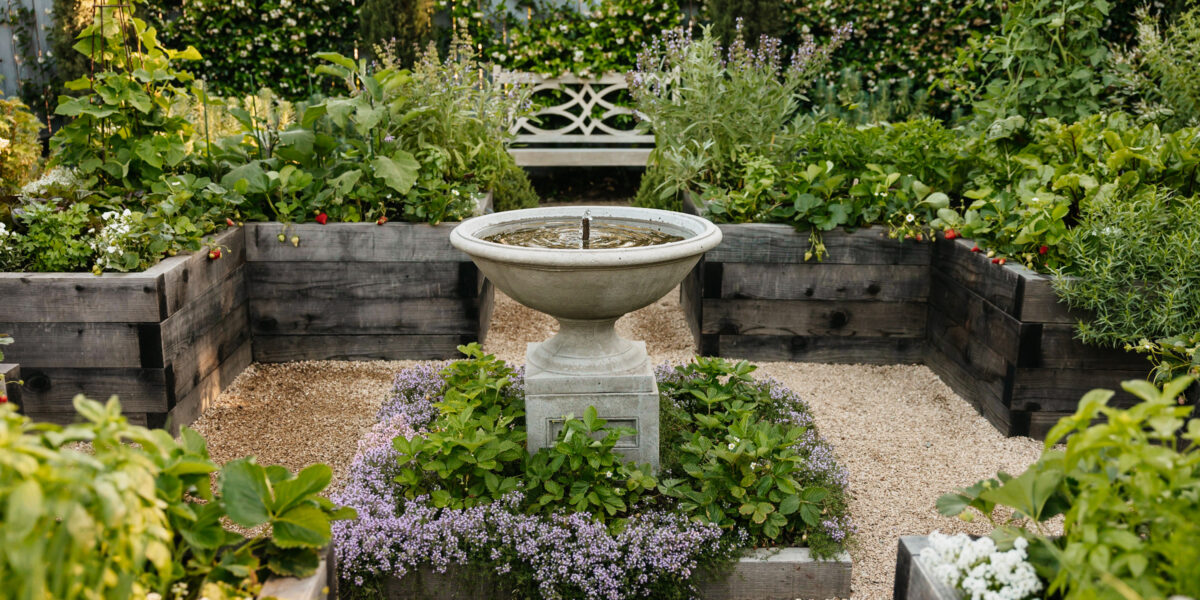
x,y
57,180
975,568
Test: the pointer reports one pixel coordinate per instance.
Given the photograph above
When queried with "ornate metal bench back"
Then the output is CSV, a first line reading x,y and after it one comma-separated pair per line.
x,y
584,123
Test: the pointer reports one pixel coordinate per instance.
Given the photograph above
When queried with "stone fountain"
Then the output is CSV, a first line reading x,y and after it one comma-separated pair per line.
x,y
629,258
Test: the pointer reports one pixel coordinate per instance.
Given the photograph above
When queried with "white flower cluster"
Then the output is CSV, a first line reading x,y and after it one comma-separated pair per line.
x,y
52,184
113,240
975,567
9,255
4,144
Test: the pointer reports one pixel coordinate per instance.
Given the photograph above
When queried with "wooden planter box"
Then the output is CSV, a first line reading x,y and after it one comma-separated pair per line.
x,y
914,579
999,336
786,574
166,340
361,291
755,297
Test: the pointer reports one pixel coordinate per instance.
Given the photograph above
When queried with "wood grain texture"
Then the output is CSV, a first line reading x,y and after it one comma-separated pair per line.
x,y
786,574
352,242
209,349
48,390
823,349
1058,349
186,278
914,579
80,298
286,348
819,281
1059,390
201,396
997,284
376,316
691,301
774,243
349,281
1040,303
814,318
77,345
183,331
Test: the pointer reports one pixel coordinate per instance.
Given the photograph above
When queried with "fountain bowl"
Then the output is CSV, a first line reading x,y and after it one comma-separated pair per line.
x,y
587,290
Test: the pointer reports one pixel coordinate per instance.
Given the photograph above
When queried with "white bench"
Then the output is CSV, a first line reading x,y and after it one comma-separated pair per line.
x,y
585,140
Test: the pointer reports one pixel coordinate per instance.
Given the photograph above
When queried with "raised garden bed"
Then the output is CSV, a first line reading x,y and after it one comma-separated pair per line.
x,y
169,339
999,336
996,334
784,574
166,340
756,297
360,291
915,580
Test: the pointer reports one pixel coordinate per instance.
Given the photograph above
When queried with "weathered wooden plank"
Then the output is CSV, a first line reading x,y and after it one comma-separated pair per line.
x,y
1041,422
209,349
182,331
352,242
777,574
822,349
914,579
80,298
814,318
200,397
80,344
1040,304
691,291
1059,349
980,359
68,418
1000,286
286,348
821,281
186,278
985,324
52,389
365,316
774,243
355,280
1060,389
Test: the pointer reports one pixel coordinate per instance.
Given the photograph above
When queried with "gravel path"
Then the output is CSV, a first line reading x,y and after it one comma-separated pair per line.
x,y
904,435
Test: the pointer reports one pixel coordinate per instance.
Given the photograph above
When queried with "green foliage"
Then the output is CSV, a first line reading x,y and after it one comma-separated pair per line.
x,y
1165,67
711,108
1133,258
731,464
407,25
251,44
849,97
137,514
472,454
1172,357
20,149
582,471
1048,59
122,135
1127,491
55,239
588,38
732,20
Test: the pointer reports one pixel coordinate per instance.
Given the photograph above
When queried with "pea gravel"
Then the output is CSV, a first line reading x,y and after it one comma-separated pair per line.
x,y
904,435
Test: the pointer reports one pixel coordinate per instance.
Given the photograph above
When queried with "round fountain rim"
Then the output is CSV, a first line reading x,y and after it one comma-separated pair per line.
x,y
706,237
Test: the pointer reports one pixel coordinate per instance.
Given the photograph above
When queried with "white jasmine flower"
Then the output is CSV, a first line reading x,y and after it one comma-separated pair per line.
x,y
732,446
910,218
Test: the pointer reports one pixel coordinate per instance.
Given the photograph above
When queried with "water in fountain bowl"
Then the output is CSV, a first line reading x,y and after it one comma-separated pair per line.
x,y
567,234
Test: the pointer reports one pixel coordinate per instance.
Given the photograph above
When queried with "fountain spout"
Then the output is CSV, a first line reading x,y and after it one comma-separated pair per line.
x,y
587,229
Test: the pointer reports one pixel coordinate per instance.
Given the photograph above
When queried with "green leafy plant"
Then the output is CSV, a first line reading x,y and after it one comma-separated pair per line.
x,y
55,239
122,135
1048,59
20,150
1164,64
1172,357
137,514
582,471
1126,489
473,453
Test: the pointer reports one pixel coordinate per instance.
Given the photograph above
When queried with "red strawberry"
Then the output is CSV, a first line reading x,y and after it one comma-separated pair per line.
x,y
322,218
1002,261
951,234
214,254
920,238
3,398
229,222
381,221
996,261
1043,250
975,249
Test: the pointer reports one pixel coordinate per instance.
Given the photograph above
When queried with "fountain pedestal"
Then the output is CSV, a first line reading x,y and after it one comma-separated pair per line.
x,y
620,385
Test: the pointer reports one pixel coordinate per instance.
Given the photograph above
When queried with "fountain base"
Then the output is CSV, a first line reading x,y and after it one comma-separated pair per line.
x,y
628,398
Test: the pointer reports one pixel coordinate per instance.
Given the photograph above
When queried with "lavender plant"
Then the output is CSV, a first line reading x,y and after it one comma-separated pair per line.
x,y
538,546
706,103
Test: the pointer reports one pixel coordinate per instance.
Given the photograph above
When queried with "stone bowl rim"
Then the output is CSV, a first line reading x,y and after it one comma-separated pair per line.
x,y
706,236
